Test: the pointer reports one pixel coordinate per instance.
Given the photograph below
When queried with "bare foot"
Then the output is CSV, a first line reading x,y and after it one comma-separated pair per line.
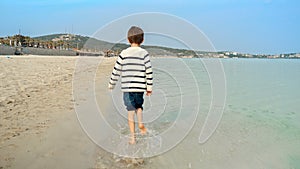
x,y
143,130
132,140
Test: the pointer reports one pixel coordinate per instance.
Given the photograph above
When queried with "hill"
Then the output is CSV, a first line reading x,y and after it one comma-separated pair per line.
x,y
74,41
89,43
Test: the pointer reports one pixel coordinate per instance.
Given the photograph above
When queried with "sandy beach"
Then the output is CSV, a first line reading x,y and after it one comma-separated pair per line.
x,y
39,126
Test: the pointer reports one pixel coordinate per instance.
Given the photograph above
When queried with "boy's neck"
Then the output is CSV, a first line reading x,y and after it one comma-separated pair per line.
x,y
135,45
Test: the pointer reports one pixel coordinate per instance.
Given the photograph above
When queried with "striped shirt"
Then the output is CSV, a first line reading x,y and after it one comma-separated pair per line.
x,y
134,67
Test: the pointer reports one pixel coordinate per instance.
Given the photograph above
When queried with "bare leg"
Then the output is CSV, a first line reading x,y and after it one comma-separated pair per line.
x,y
131,126
142,128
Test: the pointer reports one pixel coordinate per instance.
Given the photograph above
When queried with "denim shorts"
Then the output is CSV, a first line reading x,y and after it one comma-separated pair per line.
x,y
133,100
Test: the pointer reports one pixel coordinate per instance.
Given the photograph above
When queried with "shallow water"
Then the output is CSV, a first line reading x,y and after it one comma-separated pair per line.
x,y
260,125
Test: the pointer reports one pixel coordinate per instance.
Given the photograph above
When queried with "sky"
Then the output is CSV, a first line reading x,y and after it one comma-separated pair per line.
x,y
246,26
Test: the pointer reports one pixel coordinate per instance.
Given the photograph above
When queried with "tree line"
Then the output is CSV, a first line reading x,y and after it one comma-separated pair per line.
x,y
26,41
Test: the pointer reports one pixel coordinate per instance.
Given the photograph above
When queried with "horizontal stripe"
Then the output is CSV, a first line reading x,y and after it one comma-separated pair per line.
x,y
133,82
149,73
136,70
112,83
115,74
144,88
117,69
148,67
119,63
150,78
113,79
147,61
136,64
136,76
146,56
121,57
132,57
149,83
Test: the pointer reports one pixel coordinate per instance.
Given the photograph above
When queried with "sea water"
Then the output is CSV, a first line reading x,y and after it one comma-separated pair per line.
x,y
260,127
260,123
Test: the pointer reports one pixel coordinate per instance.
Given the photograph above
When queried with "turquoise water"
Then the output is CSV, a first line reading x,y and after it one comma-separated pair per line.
x,y
260,127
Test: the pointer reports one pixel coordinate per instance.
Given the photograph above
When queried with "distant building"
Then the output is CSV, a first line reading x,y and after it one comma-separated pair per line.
x,y
65,37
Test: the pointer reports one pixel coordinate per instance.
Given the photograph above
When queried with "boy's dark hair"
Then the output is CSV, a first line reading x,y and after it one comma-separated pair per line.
x,y
135,35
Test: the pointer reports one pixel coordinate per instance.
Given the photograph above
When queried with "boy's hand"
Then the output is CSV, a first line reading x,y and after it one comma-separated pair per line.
x,y
110,87
148,93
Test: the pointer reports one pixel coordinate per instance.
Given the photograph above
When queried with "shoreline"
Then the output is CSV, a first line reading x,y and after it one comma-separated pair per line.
x,y
39,127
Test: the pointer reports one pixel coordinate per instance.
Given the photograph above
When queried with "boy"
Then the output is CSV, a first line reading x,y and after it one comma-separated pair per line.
x,y
134,67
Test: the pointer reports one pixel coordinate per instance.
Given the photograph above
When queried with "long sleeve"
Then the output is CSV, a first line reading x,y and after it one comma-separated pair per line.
x,y
149,76
116,73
